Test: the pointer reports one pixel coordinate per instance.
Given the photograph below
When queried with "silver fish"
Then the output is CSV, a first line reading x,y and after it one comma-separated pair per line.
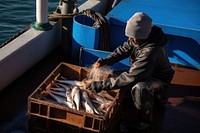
x,y
105,107
58,93
62,77
69,82
96,102
59,89
69,99
67,94
66,87
86,107
106,95
63,97
101,99
75,94
86,98
55,84
58,99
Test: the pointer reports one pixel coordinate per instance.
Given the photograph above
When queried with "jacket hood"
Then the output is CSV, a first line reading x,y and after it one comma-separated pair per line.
x,y
156,38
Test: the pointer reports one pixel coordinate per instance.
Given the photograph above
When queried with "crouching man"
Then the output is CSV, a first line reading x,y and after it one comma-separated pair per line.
x,y
150,73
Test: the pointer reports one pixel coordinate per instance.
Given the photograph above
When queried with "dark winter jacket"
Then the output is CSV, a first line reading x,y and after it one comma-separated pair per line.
x,y
149,60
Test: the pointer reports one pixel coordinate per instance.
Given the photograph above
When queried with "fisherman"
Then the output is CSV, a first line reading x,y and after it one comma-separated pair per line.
x,y
150,73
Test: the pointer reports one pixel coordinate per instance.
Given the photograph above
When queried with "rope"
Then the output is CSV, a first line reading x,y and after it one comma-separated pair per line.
x,y
15,36
56,16
102,24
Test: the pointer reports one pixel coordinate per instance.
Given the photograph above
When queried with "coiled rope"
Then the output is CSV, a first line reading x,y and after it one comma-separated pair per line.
x,y
102,24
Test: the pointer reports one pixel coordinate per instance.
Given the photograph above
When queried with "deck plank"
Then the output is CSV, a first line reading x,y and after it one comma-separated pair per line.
x,y
186,76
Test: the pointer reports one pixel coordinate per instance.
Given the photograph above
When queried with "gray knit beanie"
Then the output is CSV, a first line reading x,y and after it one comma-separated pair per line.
x,y
139,26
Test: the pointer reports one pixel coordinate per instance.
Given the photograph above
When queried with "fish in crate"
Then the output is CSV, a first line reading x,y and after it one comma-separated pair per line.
x,y
61,102
72,94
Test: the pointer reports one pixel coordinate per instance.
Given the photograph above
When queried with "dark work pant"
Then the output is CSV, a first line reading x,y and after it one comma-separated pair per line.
x,y
144,94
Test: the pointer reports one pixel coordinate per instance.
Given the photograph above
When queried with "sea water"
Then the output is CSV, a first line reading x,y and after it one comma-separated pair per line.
x,y
16,15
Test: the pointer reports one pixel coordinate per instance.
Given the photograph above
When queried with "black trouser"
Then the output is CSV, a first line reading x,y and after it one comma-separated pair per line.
x,y
145,93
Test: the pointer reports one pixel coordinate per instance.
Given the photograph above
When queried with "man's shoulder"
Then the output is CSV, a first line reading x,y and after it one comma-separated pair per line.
x,y
151,51
146,52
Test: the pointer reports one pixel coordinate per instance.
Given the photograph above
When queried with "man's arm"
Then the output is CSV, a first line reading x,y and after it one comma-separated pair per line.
x,y
119,53
141,70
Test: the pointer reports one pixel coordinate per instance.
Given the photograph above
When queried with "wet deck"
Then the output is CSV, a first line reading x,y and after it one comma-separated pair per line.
x,y
182,113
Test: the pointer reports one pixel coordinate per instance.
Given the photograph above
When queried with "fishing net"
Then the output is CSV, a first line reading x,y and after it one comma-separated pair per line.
x,y
101,73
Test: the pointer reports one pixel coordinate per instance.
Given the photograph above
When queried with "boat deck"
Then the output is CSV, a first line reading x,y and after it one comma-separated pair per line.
x,y
182,113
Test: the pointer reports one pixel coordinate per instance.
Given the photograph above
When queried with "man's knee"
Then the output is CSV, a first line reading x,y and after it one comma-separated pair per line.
x,y
141,95
139,86
138,89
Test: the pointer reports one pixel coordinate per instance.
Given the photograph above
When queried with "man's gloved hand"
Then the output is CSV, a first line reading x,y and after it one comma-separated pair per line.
x,y
96,65
94,86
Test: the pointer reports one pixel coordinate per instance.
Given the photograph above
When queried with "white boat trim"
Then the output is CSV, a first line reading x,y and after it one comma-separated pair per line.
x,y
29,48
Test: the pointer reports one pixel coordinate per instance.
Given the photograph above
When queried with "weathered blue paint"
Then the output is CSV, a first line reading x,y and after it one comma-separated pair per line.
x,y
84,35
179,19
90,56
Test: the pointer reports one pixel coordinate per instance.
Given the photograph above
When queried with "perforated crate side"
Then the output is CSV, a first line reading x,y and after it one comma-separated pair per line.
x,y
45,113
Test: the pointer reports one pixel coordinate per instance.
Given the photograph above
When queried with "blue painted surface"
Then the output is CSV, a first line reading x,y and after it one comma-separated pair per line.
x,y
178,16
84,35
179,19
183,51
90,56
117,33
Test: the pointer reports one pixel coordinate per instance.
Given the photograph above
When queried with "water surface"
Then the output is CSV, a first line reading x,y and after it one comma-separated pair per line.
x,y
15,15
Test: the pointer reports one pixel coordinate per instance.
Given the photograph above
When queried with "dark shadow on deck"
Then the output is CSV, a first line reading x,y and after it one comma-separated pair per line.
x,y
180,115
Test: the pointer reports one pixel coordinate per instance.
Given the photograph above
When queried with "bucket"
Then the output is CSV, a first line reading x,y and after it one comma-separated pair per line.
x,y
83,34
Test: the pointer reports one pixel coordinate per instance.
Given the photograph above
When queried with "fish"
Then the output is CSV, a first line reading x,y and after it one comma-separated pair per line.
x,y
86,107
58,93
62,77
69,99
58,99
69,82
106,95
54,84
102,103
96,102
66,87
105,106
67,94
75,94
88,101
102,107
63,97
100,99
59,89
70,93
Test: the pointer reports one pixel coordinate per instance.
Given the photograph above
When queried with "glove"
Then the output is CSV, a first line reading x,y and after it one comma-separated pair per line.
x,y
94,87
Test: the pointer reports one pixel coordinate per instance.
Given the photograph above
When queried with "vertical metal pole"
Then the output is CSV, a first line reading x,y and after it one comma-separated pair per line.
x,y
67,23
42,22
67,6
42,11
